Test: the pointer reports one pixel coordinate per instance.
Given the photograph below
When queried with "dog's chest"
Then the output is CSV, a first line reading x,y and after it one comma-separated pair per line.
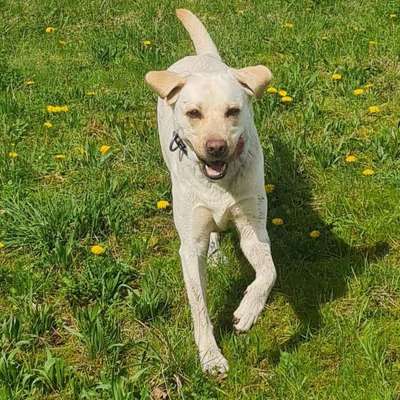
x,y
222,218
220,205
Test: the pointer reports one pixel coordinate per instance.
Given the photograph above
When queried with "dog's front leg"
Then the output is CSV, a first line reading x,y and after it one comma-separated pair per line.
x,y
255,244
193,252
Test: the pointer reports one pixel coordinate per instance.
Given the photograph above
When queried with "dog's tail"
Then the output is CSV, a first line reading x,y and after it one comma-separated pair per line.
x,y
198,33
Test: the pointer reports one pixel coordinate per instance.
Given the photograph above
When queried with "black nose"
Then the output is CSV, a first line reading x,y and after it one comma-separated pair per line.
x,y
216,147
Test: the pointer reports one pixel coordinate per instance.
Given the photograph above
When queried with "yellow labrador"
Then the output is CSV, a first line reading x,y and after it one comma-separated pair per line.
x,y
212,150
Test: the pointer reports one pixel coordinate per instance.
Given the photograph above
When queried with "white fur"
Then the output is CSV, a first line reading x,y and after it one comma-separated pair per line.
x,y
203,207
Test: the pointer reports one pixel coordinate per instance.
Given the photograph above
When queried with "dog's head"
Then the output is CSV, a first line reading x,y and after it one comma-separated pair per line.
x,y
212,111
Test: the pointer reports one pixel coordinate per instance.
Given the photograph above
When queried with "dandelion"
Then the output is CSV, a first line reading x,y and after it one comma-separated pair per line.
x,y
104,149
315,234
59,157
2,245
288,25
50,29
12,154
351,158
286,99
277,221
162,204
48,125
29,82
97,249
374,109
272,90
269,188
368,172
57,109
282,93
147,42
358,92
336,77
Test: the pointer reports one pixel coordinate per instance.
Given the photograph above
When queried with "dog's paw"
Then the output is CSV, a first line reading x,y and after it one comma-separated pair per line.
x,y
249,308
213,362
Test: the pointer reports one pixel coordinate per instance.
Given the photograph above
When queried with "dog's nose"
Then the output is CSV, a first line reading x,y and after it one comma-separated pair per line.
x,y
216,147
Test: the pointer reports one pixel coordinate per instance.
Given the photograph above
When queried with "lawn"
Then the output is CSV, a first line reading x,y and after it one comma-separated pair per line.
x,y
88,171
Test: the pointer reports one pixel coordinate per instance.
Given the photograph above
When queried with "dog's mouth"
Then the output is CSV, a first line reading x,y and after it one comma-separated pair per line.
x,y
214,170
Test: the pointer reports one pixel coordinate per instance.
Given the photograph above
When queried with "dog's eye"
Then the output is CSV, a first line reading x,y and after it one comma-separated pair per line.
x,y
232,112
194,114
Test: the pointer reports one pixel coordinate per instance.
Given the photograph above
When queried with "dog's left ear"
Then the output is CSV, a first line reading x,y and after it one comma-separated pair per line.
x,y
166,84
253,79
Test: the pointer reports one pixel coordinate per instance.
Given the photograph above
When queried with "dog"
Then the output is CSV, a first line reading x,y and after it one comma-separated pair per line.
x,y
211,147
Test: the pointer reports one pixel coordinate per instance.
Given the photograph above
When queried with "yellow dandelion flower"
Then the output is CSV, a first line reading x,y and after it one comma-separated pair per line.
x,y
29,82
288,25
104,149
336,77
282,93
90,93
269,188
315,234
2,245
368,172
12,154
277,221
374,109
272,90
351,158
162,204
358,92
373,43
57,109
147,42
50,29
286,99
59,157
97,249
48,125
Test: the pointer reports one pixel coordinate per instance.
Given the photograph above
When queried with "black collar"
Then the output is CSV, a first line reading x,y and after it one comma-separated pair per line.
x,y
178,143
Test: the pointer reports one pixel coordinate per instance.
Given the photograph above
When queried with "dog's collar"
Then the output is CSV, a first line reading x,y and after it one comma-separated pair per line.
x,y
177,143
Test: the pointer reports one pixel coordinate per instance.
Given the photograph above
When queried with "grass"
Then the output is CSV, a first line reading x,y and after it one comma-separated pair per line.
x,y
74,325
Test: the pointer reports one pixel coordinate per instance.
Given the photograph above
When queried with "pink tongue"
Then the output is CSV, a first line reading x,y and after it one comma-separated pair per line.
x,y
215,168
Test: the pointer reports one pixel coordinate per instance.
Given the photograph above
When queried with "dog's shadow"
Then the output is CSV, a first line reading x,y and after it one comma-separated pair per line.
x,y
311,272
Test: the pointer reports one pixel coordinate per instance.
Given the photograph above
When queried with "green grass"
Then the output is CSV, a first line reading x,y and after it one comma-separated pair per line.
x,y
117,326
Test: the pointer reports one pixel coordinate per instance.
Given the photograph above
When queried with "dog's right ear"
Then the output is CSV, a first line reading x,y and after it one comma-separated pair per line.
x,y
166,84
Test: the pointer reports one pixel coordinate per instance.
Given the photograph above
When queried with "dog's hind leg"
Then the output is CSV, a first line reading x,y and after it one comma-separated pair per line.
x,y
214,253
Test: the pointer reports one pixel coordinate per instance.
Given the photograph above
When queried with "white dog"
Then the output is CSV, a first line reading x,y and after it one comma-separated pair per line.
x,y
205,114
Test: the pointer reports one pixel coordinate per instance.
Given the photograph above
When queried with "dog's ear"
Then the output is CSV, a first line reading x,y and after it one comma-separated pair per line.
x,y
253,79
166,84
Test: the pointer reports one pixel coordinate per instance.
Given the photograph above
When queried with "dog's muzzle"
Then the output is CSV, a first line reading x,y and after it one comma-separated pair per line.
x,y
216,170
